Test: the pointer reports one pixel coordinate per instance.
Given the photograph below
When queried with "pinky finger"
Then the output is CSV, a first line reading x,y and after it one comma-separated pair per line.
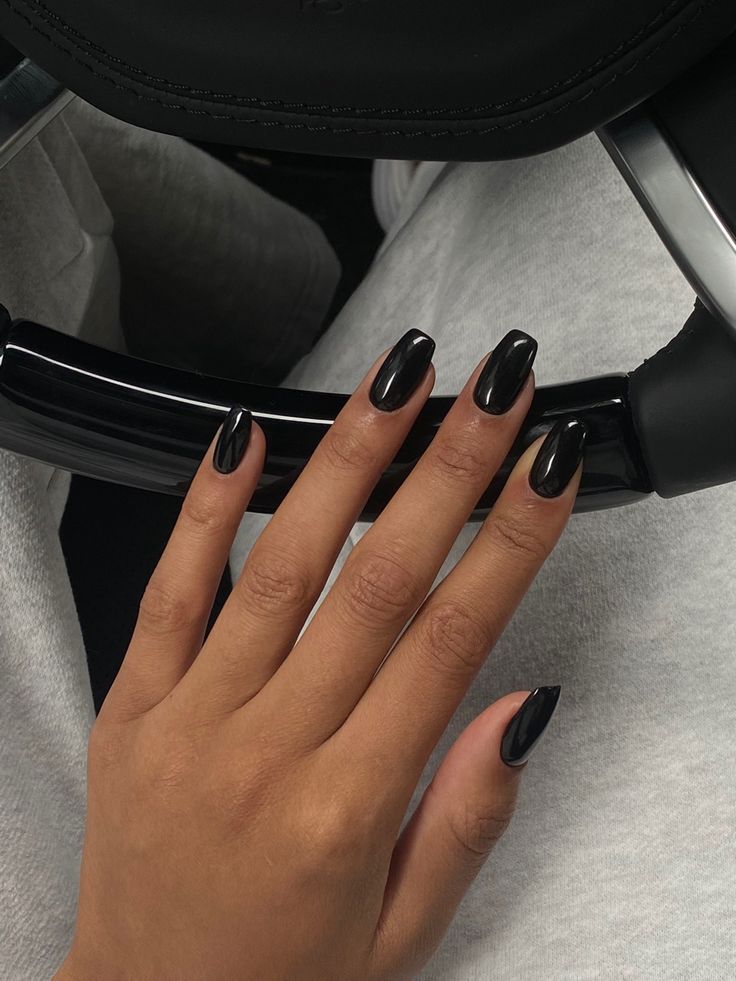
x,y
178,600
461,816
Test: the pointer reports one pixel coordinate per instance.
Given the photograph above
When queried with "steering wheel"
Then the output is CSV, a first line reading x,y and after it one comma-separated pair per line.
x,y
423,79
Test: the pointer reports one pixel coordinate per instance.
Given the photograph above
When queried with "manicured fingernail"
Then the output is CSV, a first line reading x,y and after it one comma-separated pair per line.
x,y
402,372
558,458
527,726
233,440
505,373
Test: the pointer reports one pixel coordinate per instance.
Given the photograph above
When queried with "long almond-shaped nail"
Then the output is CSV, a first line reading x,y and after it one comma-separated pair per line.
x,y
558,458
402,372
233,440
528,725
505,373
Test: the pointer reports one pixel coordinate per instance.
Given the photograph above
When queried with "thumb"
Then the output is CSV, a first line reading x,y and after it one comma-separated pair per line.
x,y
461,816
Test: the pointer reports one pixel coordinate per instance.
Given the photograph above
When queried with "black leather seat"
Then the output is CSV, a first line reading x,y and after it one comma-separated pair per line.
x,y
421,79
436,79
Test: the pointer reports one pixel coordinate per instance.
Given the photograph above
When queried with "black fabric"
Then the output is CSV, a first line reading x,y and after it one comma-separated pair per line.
x,y
9,57
421,79
334,191
112,538
684,406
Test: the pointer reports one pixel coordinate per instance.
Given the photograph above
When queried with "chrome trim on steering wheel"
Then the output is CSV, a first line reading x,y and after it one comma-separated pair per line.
x,y
678,207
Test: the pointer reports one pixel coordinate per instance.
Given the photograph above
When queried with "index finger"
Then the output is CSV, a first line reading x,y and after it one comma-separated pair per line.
x,y
413,697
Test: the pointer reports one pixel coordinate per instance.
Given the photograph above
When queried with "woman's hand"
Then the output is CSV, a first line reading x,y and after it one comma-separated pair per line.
x,y
246,793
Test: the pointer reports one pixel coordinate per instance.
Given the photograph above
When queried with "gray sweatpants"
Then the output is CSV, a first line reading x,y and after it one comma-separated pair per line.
x,y
621,860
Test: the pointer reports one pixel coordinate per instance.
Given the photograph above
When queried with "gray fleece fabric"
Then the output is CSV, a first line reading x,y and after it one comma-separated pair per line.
x,y
58,266
621,860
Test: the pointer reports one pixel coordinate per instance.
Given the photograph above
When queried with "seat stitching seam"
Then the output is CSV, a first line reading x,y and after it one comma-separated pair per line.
x,y
351,130
38,9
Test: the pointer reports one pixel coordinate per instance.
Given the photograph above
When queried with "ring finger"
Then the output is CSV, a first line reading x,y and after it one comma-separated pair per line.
x,y
289,565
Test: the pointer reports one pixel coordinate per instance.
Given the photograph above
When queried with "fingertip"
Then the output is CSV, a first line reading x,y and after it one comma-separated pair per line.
x,y
497,719
400,376
476,754
503,380
231,466
549,471
528,725
233,440
558,459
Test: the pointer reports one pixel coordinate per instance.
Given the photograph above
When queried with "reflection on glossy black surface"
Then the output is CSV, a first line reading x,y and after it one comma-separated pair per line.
x,y
95,412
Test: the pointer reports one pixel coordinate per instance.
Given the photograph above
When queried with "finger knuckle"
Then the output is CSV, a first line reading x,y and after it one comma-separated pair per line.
x,y
347,829
458,460
203,514
325,832
347,450
163,609
248,789
274,583
331,823
377,587
455,640
515,534
476,830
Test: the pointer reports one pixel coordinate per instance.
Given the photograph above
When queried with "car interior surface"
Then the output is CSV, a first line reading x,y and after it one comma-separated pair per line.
x,y
259,101
212,186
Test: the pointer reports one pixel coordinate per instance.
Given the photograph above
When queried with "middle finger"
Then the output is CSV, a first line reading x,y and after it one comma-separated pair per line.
x,y
390,572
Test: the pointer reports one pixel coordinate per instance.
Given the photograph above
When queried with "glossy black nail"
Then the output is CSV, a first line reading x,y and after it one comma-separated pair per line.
x,y
527,726
505,373
402,372
558,458
233,440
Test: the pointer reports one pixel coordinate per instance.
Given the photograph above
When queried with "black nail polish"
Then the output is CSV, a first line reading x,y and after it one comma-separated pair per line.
x,y
558,458
402,372
505,373
233,440
527,726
